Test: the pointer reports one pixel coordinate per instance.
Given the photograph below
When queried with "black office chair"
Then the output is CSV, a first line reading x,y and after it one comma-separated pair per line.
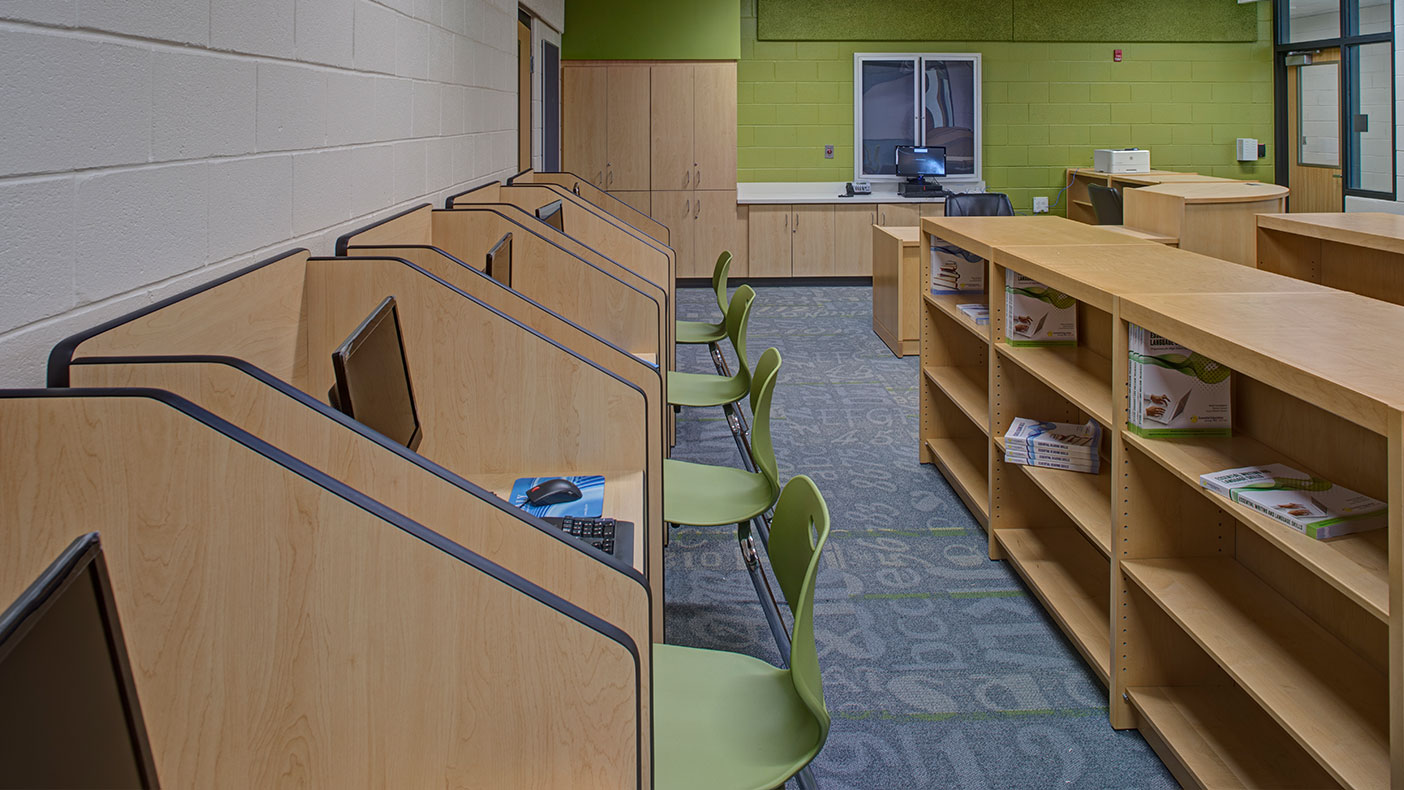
x,y
1106,204
979,204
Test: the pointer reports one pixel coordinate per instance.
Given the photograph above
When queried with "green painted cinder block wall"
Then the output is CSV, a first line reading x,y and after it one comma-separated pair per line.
x,y
1046,106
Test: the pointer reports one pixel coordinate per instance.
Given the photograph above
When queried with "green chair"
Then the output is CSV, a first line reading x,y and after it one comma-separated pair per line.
x,y
726,720
712,496
707,389
699,332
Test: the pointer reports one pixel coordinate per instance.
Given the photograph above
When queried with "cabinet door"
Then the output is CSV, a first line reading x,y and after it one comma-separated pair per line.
x,y
812,253
583,122
853,239
671,122
714,140
769,243
899,215
933,209
674,208
720,225
639,200
626,141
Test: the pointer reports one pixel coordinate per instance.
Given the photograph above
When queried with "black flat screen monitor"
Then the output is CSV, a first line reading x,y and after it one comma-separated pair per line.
x,y
915,161
499,261
69,716
372,377
552,215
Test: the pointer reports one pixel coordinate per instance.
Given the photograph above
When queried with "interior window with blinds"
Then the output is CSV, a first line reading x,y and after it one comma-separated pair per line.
x,y
903,99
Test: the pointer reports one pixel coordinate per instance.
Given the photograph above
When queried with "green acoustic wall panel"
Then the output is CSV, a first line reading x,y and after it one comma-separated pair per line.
x,y
652,30
1046,105
1135,20
885,20
1005,20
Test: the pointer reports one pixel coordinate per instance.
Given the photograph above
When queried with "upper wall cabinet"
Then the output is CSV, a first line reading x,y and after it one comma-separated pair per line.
x,y
606,125
693,120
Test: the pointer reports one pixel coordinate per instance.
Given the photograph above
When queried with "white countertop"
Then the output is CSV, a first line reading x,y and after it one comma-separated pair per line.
x,y
831,192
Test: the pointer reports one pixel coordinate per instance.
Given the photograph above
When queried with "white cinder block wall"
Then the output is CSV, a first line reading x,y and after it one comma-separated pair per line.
x,y
149,145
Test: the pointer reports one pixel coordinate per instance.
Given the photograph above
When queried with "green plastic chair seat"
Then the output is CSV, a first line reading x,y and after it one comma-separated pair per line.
x,y
698,332
705,389
724,720
703,495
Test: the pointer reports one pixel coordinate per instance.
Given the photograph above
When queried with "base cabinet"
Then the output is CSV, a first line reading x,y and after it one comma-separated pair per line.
x,y
812,245
853,240
770,241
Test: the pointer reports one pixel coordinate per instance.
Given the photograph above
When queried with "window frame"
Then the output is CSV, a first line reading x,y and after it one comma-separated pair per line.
x,y
918,131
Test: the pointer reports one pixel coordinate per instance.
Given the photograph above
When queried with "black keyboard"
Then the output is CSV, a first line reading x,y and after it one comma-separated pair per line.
x,y
598,532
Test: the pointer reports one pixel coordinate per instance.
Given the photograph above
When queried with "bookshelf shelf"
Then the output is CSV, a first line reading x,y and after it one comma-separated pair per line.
x,y
1068,576
966,389
1075,372
961,461
946,304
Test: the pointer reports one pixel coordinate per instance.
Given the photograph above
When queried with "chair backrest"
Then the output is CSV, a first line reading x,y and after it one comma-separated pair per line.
x,y
979,204
762,388
738,318
719,273
797,535
1106,203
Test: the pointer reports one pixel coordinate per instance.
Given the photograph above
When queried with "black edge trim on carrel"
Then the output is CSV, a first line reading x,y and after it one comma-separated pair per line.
x,y
448,201
700,282
345,239
611,374
514,177
284,388
62,354
396,519
647,239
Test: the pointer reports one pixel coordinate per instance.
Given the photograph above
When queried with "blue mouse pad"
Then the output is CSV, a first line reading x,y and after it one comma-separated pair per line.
x,y
589,505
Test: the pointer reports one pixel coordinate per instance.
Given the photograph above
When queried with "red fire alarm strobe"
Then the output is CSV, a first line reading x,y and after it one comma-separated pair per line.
x,y
1116,55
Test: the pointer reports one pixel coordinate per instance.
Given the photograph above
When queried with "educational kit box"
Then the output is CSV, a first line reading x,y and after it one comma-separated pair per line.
x,y
1318,508
1174,391
955,271
1036,315
1056,445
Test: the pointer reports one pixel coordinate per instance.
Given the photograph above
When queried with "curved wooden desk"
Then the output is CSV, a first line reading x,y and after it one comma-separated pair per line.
x,y
1360,252
1215,218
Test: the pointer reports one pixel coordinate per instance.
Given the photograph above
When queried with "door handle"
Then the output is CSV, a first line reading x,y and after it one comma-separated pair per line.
x,y
599,178
697,182
796,228
787,222
687,207
697,209
687,178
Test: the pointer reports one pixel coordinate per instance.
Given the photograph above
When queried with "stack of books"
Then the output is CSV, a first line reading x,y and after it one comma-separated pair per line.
x,y
1312,506
978,313
1055,445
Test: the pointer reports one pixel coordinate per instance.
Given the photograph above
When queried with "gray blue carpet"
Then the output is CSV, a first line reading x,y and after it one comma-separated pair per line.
x,y
940,669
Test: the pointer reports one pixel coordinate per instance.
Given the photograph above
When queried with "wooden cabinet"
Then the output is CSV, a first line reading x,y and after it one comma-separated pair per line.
x,y
627,132
605,125
899,214
671,126
933,209
714,126
812,247
769,241
643,201
584,94
673,208
853,239
719,224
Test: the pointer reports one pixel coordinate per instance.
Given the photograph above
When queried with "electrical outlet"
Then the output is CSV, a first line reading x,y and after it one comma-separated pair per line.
x,y
1040,205
828,152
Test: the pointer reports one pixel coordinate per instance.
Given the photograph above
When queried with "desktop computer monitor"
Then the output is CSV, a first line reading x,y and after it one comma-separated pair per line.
x,y
69,715
914,161
552,215
372,377
499,261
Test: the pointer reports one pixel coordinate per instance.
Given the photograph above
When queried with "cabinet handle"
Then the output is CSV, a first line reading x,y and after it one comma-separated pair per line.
x,y
698,180
687,178
697,209
787,222
796,220
882,217
599,178
687,207
609,177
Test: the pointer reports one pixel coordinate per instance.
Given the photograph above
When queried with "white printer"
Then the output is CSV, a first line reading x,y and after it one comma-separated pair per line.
x,y
1121,160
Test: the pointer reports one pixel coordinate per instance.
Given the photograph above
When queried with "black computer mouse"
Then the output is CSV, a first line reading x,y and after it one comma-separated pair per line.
x,y
552,492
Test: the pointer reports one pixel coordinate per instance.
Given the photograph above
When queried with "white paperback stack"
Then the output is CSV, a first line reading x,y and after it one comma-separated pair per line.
x,y
1055,445
978,313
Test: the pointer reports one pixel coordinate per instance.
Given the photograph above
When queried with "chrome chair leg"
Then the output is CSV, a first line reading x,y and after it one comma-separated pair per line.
x,y
805,779
733,422
719,360
763,592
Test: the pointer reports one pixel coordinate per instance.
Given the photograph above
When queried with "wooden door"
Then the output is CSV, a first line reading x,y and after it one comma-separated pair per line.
x,y
584,94
626,124
714,124
675,208
720,225
899,215
523,95
853,239
1317,138
768,246
812,251
671,126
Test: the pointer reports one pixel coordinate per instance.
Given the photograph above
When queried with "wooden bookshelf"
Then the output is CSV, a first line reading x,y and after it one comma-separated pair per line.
x,y
946,303
965,386
1069,577
1075,372
1085,498
961,462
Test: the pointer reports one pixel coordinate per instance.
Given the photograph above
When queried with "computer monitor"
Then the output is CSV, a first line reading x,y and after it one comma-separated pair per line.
x,y
915,161
552,215
372,377
69,715
499,261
